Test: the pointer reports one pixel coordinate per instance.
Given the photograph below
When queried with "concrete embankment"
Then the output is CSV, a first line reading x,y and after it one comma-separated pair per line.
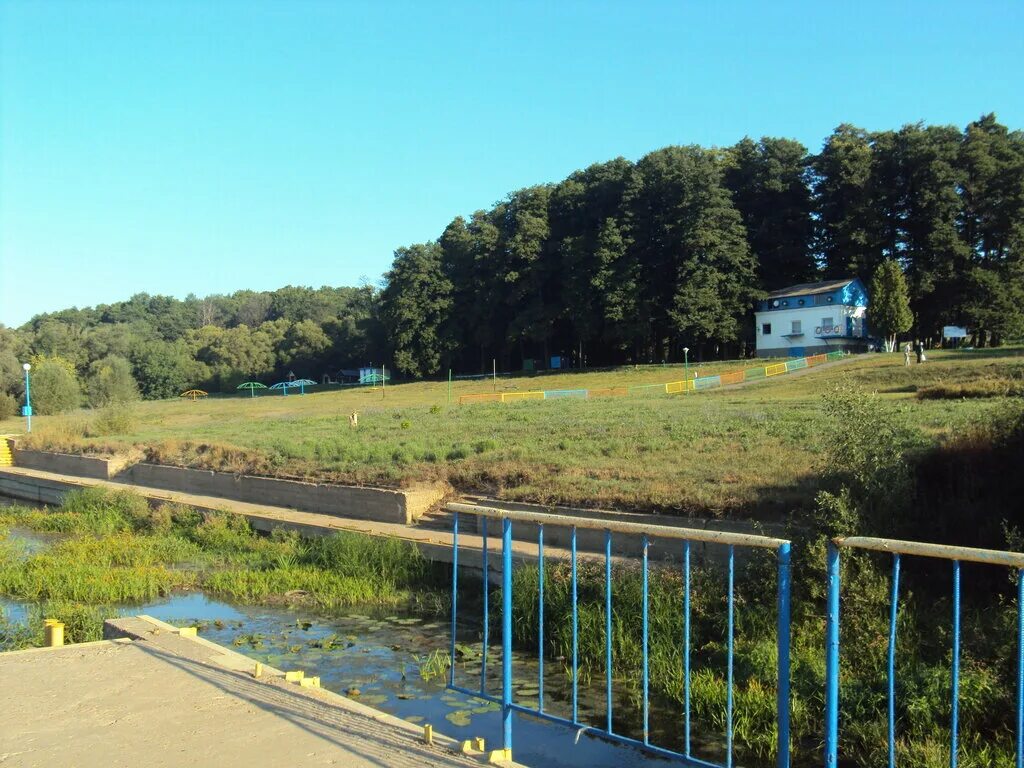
x,y
387,505
414,516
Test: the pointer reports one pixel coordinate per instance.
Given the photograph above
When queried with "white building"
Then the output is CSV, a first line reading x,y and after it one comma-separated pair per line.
x,y
811,318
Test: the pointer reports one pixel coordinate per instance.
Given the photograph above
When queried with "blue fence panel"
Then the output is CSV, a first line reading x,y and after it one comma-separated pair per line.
x,y
551,394
646,532
898,550
707,382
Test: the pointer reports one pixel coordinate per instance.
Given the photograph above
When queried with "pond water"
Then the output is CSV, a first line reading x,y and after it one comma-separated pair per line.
x,y
380,655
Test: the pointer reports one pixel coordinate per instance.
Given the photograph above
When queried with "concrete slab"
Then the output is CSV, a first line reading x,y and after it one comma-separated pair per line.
x,y
156,698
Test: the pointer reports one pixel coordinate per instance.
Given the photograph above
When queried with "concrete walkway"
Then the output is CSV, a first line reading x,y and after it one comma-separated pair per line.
x,y
155,698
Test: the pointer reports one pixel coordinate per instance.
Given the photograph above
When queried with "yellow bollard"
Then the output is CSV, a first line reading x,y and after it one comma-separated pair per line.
x,y
258,670
294,676
499,756
188,632
428,734
53,631
310,682
478,744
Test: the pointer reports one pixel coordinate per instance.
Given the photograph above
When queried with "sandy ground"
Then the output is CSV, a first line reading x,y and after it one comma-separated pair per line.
x,y
166,700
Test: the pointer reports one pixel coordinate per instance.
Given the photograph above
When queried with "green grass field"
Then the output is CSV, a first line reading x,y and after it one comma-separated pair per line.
x,y
748,450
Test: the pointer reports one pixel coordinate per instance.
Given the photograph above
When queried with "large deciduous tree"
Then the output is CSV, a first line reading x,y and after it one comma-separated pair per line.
x,y
889,309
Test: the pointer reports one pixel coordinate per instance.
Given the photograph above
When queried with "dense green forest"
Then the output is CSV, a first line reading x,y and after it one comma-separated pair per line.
x,y
621,262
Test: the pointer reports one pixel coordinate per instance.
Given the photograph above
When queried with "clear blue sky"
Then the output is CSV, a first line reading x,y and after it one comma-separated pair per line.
x,y
210,146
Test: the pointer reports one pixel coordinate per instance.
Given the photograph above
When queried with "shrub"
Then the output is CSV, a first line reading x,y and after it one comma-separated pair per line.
x,y
110,381
992,387
8,405
115,419
54,386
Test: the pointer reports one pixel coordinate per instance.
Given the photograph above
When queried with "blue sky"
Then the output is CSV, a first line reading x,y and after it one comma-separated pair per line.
x,y
207,147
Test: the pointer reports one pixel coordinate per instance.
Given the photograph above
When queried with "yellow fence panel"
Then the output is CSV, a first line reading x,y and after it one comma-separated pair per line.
x,y
774,370
675,387
508,397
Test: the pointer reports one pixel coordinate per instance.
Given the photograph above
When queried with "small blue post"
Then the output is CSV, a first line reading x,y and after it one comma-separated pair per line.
x,y
955,682
646,676
783,640
729,660
686,642
832,660
487,611
506,634
891,662
455,592
575,632
28,399
1020,669
540,615
608,625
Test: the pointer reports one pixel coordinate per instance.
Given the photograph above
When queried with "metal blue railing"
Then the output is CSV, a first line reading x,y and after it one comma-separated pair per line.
x,y
730,541
897,549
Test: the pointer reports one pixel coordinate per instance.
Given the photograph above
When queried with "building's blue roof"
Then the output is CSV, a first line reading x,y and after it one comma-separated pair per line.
x,y
848,291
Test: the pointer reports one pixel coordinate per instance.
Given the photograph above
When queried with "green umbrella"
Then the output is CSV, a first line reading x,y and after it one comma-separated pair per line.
x,y
252,386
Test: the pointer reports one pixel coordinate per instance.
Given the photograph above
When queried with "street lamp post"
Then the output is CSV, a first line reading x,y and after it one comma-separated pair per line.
x,y
27,410
686,364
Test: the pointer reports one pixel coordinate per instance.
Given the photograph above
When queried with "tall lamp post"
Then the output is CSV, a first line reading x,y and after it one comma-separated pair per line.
x,y
26,411
686,364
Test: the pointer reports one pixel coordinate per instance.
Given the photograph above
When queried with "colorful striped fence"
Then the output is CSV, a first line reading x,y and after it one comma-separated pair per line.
x,y
671,388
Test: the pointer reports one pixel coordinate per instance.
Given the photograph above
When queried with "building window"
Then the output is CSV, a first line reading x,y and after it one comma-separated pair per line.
x,y
766,329
826,324
796,328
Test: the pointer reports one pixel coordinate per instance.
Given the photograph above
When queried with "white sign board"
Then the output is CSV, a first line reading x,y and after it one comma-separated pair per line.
x,y
953,332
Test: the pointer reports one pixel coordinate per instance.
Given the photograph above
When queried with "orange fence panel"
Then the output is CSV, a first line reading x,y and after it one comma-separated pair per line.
x,y
735,377
608,392
487,397
816,360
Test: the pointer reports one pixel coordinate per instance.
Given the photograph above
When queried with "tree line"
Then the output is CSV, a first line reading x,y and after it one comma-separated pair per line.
x,y
630,262
157,346
622,262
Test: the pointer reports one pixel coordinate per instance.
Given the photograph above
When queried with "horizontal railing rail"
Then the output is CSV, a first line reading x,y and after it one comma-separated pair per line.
x,y
897,549
686,536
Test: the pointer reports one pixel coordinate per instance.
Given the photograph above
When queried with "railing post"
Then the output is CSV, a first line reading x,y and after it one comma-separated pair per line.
x,y
783,640
1020,668
832,659
506,635
954,724
540,617
455,592
486,608
891,660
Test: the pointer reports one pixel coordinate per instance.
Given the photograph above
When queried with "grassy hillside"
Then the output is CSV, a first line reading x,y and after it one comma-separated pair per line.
x,y
749,450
